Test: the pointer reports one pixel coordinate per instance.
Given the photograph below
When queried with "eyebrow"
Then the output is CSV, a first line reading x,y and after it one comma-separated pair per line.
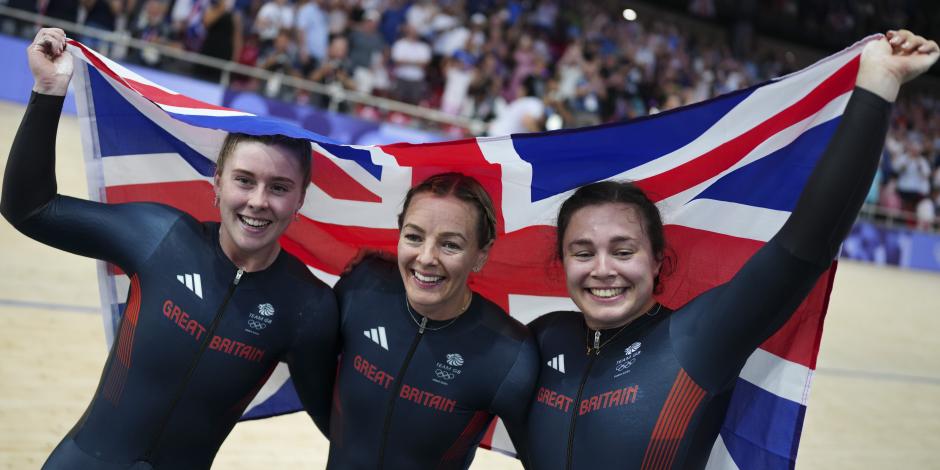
x,y
279,179
445,234
585,241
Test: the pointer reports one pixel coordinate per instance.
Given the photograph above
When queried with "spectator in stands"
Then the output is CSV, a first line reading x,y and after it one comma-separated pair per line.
x,y
420,17
338,16
602,69
335,70
150,25
524,114
365,41
935,181
889,199
100,14
926,212
66,10
452,33
273,17
458,74
280,58
913,171
183,14
410,56
312,34
223,38
392,19
248,55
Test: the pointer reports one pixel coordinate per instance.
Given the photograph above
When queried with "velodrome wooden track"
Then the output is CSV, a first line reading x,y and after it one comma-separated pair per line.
x,y
875,402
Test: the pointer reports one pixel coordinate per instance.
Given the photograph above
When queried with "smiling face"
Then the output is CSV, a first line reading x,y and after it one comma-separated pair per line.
x,y
438,248
260,189
610,267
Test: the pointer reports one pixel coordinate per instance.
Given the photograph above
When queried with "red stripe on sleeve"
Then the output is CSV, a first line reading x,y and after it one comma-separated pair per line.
x,y
673,422
120,365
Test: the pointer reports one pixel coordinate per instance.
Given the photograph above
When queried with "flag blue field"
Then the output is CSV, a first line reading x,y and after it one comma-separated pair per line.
x,y
725,174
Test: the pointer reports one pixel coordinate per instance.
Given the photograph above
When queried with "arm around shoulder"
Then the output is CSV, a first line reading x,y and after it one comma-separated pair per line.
x,y
514,395
312,359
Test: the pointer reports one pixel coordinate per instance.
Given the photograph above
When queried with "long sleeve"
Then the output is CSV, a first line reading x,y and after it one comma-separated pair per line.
x,y
125,234
716,332
29,180
836,189
313,358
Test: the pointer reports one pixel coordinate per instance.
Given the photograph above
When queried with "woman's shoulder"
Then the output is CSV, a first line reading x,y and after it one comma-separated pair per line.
x,y
371,271
557,319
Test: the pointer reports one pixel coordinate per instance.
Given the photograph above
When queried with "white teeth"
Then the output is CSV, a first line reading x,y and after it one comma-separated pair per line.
x,y
257,223
424,278
606,293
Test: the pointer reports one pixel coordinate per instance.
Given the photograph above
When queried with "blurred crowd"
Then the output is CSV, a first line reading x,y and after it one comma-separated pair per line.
x,y
524,65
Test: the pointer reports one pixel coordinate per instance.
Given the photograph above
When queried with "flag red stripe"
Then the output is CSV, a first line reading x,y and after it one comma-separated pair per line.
x,y
713,162
148,91
329,177
523,261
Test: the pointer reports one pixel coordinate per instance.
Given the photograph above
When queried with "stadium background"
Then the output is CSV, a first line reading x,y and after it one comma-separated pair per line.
x,y
875,401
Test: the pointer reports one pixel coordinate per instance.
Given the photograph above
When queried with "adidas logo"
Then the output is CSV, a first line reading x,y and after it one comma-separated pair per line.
x,y
192,282
557,363
377,335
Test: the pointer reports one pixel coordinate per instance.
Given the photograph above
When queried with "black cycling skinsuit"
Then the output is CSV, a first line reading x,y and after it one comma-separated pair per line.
x,y
654,394
199,336
409,397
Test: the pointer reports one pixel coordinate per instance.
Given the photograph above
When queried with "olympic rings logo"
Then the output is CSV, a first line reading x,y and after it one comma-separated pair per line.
x,y
256,325
625,365
443,374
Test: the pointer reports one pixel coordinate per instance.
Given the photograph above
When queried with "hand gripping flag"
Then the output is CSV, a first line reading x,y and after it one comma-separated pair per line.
x,y
725,173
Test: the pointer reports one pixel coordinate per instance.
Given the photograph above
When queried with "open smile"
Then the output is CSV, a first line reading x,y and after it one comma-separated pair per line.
x,y
427,281
253,224
606,293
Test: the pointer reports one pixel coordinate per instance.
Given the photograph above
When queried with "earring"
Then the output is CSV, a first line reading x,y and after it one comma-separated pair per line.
x,y
296,216
215,202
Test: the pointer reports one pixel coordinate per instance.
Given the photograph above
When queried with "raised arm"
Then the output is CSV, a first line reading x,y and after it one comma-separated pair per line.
x,y
716,332
29,180
118,233
837,187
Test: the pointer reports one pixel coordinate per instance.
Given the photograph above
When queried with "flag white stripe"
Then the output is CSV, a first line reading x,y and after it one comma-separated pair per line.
x,y
117,68
720,459
148,169
737,220
526,308
205,141
778,376
202,111
277,379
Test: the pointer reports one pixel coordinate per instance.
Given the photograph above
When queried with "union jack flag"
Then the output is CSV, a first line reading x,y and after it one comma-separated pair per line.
x,y
725,173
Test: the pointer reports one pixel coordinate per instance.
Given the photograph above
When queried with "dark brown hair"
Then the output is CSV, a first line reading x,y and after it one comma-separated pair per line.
x,y
464,188
617,192
300,148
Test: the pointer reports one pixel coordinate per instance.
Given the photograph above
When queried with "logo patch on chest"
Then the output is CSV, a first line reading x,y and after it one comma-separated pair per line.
x,y
260,319
448,370
630,355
